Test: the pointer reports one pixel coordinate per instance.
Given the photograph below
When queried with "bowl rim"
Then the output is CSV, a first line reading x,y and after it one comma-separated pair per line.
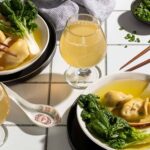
x,y
94,86
30,62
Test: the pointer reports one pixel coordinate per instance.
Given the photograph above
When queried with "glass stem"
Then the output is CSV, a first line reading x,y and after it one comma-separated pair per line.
x,y
84,72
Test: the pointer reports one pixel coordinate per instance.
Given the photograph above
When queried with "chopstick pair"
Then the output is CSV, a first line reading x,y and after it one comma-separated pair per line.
x,y
147,49
7,52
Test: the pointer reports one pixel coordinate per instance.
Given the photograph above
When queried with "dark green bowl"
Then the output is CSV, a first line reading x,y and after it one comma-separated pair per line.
x,y
134,5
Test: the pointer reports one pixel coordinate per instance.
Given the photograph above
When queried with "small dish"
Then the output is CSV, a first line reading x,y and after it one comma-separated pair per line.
x,y
94,87
134,5
43,27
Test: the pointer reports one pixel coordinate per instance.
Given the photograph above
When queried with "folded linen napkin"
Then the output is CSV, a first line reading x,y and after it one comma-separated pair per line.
x,y
98,8
60,14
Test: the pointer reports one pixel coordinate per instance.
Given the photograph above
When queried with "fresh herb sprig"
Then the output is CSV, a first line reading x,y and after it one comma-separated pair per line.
x,y
131,37
142,10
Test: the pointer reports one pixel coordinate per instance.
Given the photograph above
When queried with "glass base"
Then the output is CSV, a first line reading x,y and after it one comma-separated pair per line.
x,y
81,78
3,135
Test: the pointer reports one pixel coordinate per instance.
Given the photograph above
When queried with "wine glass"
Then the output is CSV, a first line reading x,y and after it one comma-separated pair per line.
x,y
4,109
82,45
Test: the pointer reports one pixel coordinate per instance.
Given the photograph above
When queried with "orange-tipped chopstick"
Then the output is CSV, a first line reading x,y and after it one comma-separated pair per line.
x,y
139,65
4,44
7,52
136,57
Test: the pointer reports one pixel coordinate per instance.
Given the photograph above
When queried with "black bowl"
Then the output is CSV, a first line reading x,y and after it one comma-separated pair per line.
x,y
134,5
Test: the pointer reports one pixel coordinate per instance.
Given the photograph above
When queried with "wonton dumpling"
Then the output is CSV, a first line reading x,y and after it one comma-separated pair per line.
x,y
131,109
2,37
20,49
112,98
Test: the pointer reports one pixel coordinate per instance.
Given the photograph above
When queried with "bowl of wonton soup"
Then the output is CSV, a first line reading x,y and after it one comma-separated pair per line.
x,y
127,82
24,58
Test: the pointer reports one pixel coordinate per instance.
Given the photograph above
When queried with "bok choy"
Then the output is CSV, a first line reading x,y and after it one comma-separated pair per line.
x,y
19,21
111,129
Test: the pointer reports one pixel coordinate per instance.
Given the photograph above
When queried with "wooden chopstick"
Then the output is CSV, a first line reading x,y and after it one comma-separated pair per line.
x,y
136,57
9,53
4,44
139,65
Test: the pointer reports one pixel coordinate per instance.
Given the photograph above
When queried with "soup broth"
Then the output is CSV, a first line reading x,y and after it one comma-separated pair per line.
x,y
133,87
82,44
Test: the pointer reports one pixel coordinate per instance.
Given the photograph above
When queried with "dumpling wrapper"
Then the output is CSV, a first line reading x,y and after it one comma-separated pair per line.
x,y
130,110
112,98
2,39
20,49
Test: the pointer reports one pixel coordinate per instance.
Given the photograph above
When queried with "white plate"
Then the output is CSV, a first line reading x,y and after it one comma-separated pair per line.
x,y
45,39
100,83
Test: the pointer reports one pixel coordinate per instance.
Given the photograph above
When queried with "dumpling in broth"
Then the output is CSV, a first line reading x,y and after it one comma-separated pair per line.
x,y
112,98
20,49
2,37
130,110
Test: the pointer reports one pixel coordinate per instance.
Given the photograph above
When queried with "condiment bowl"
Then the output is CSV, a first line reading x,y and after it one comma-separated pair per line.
x,y
97,85
134,5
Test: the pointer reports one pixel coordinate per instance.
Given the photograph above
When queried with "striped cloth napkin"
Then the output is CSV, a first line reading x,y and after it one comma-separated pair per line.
x,y
60,14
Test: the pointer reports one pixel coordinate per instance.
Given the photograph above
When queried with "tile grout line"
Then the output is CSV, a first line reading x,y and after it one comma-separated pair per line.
x,y
48,102
129,44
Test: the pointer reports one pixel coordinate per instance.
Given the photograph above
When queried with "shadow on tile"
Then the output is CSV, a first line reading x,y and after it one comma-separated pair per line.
x,y
57,78
39,78
59,93
18,117
130,24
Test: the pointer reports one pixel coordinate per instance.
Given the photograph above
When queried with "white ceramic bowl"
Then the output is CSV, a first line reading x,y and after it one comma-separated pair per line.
x,y
100,83
42,25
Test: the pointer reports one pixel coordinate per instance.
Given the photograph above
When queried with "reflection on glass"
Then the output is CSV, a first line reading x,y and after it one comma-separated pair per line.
x,y
4,109
82,46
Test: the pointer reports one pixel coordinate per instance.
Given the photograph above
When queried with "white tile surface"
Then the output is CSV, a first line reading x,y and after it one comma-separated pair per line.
x,y
62,97
125,19
118,56
123,4
58,139
24,138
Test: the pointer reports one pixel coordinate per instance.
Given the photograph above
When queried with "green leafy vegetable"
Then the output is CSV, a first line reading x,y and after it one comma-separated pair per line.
x,y
142,10
113,130
21,15
131,37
